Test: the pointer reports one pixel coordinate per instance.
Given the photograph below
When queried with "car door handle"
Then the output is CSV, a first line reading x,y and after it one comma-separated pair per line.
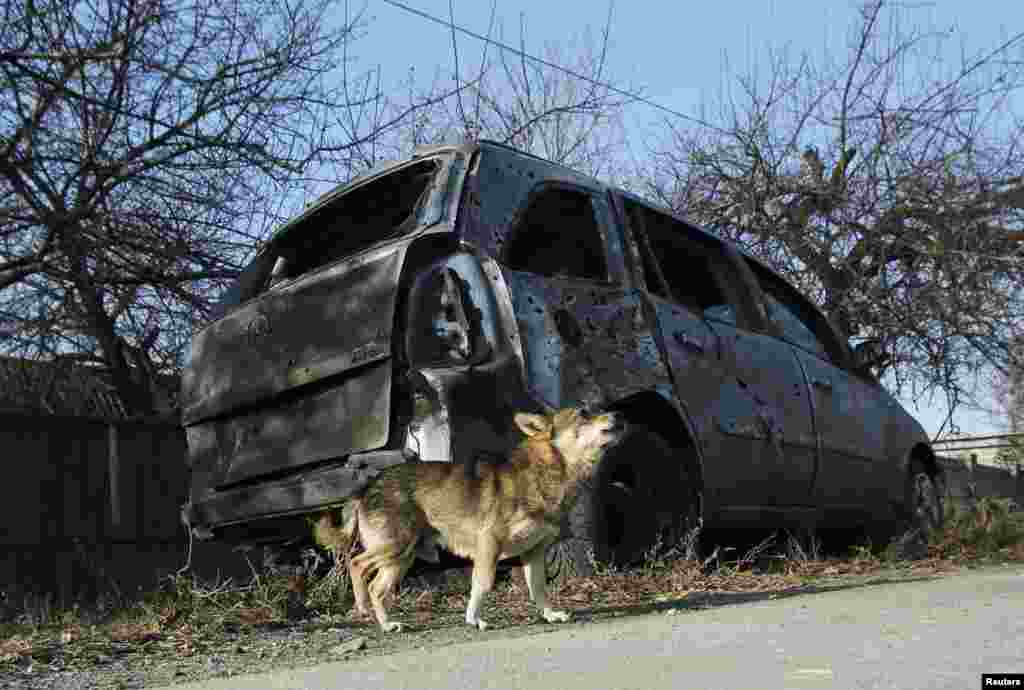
x,y
824,384
689,341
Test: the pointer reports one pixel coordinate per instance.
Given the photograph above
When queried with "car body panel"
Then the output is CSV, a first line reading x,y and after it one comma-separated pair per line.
x,y
584,343
300,395
763,416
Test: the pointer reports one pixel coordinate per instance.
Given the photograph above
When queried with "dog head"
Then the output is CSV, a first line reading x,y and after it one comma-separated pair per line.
x,y
580,438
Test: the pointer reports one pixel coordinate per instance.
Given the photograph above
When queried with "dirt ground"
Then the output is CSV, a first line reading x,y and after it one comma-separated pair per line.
x,y
170,652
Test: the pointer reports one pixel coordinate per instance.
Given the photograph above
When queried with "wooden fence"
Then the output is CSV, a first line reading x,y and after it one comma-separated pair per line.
x,y
87,505
967,479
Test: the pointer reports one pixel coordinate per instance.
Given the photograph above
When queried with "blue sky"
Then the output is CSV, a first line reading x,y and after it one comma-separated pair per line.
x,y
676,52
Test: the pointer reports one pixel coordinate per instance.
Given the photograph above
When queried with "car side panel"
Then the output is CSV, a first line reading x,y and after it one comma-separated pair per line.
x,y
765,419
582,342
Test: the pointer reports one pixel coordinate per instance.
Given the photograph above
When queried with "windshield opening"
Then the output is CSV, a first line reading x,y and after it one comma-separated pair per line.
x,y
388,207
385,208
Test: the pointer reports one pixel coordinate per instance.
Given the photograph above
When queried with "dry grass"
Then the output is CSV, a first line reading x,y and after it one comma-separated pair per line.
x,y
180,614
186,616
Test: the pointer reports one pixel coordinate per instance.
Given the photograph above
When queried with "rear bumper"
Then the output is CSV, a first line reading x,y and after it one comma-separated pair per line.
x,y
302,493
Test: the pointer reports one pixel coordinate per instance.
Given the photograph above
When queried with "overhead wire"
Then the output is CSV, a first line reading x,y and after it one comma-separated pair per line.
x,y
451,25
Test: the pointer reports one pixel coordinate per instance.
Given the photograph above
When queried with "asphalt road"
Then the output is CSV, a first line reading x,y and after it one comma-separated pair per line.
x,y
941,633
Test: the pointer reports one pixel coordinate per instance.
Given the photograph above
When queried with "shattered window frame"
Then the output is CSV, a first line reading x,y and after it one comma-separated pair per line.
x,y
795,317
305,249
509,256
713,255
270,268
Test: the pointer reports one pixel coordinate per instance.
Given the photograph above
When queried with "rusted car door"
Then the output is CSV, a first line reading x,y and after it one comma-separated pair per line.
x,y
744,390
849,412
584,336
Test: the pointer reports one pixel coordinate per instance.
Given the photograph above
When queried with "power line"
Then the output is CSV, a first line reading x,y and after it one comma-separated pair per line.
x,y
486,39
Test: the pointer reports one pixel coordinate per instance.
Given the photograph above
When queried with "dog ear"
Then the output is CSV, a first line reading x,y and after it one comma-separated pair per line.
x,y
533,424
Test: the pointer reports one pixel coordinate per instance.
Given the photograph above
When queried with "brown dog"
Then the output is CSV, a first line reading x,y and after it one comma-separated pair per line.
x,y
510,509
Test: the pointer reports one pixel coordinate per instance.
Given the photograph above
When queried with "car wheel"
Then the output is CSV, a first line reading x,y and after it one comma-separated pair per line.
x,y
923,507
641,493
925,494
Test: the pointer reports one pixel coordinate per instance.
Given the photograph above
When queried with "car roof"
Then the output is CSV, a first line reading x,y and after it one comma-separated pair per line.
x,y
468,148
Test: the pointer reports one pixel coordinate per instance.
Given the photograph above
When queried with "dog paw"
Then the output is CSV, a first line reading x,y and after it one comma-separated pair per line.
x,y
553,616
391,627
479,623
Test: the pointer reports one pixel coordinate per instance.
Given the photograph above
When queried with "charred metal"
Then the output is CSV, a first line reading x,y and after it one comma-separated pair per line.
x,y
407,316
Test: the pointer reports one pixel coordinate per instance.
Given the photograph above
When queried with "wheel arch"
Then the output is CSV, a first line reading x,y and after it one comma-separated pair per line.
x,y
923,453
663,414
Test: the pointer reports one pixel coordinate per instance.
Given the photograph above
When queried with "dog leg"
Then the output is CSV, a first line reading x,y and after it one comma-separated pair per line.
x,y
485,565
391,570
357,576
537,582
382,590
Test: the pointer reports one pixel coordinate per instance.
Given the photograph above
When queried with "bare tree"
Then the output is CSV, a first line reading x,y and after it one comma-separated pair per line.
x,y
1004,406
144,148
1004,402
886,183
557,108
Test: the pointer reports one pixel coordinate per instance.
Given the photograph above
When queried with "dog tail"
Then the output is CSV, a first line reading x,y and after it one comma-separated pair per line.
x,y
338,538
350,524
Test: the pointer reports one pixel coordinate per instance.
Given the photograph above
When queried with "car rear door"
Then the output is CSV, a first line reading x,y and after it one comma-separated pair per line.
x,y
299,371
584,338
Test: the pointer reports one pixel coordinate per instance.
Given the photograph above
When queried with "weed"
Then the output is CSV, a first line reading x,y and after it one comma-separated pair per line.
x,y
804,547
663,555
982,529
600,568
333,592
754,553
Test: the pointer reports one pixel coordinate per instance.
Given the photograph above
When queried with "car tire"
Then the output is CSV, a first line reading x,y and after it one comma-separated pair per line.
x,y
924,497
642,491
924,509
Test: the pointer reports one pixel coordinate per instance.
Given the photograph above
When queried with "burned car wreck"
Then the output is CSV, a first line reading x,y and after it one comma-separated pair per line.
x,y
408,315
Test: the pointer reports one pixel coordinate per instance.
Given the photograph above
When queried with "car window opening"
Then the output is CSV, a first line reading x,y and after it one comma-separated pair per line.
x,y
793,315
379,210
686,265
385,208
558,236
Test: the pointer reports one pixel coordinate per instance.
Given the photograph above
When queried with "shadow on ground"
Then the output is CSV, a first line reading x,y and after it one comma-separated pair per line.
x,y
707,600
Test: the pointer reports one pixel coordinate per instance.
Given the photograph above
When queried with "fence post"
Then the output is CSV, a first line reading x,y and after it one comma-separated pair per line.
x,y
114,468
972,487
